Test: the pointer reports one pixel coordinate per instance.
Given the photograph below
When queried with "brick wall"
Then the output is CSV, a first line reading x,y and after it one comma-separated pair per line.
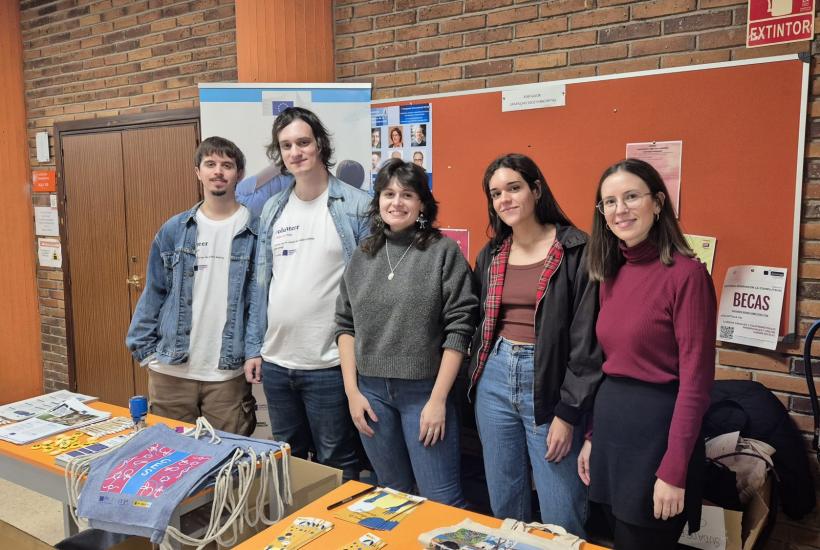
x,y
413,47
100,58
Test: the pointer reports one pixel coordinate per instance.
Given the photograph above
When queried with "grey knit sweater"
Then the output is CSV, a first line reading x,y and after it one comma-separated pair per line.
x,y
400,326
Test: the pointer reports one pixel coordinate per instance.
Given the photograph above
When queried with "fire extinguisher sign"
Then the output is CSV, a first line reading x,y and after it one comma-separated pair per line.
x,y
779,21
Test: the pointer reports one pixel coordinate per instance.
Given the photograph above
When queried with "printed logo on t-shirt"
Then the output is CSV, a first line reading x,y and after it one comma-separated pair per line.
x,y
286,240
203,259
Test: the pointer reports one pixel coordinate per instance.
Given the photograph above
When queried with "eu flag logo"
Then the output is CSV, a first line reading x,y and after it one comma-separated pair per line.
x,y
278,106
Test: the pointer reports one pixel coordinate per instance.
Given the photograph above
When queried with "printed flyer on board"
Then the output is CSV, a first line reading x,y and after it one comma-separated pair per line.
x,y
750,305
404,132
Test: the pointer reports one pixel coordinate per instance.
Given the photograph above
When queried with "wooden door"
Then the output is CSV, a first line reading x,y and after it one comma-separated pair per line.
x,y
159,182
95,228
120,186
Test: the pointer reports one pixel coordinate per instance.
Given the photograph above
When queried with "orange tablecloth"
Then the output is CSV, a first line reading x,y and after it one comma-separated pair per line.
x,y
425,517
40,459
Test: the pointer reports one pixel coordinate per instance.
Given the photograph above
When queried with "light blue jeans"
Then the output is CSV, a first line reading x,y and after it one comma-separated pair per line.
x,y
510,439
397,455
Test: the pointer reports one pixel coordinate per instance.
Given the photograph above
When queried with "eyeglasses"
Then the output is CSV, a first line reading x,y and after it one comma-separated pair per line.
x,y
631,200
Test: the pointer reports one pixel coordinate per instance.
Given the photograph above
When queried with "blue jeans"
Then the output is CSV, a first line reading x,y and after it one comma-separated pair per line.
x,y
397,455
308,409
506,426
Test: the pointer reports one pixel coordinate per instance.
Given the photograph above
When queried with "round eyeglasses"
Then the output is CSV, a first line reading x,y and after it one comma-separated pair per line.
x,y
631,199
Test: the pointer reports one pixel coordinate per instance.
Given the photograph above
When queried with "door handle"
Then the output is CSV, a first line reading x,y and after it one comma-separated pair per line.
x,y
134,280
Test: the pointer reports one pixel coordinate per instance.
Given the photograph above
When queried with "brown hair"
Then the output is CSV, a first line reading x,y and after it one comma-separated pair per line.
x,y
604,256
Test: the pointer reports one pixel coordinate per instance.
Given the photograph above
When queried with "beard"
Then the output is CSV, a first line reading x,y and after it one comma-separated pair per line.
x,y
219,192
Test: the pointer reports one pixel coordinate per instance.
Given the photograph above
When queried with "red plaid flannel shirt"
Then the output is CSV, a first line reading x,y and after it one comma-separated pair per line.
x,y
495,287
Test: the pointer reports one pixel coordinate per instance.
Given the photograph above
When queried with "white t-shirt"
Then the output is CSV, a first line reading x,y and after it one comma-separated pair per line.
x,y
307,267
209,309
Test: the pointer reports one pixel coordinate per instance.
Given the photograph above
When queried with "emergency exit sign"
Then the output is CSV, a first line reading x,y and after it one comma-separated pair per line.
x,y
779,21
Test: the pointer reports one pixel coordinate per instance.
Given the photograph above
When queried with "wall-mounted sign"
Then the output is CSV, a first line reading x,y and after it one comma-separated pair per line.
x,y
779,21
44,181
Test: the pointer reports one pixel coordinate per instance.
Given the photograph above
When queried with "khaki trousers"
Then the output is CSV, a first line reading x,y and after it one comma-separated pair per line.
x,y
229,406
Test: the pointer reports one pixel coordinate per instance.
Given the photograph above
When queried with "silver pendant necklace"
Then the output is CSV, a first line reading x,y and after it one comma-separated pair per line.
x,y
394,267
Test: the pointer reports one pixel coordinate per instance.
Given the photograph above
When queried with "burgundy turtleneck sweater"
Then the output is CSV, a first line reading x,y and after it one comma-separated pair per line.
x,y
657,324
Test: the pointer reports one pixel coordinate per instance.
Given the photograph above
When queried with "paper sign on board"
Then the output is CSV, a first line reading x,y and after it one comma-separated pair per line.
x,y
750,305
520,99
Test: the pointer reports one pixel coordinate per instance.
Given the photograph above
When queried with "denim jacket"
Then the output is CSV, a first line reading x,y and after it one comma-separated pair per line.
x,y
348,208
162,319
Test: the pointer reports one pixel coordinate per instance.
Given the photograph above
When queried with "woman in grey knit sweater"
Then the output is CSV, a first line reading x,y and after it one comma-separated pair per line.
x,y
405,315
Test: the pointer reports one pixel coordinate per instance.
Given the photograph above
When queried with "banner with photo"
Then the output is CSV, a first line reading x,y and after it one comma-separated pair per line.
x,y
244,113
405,132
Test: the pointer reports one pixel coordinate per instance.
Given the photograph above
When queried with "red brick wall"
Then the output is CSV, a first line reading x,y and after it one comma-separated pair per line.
x,y
99,58
413,47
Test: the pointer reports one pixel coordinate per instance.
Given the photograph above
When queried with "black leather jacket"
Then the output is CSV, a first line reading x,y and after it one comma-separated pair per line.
x,y
567,355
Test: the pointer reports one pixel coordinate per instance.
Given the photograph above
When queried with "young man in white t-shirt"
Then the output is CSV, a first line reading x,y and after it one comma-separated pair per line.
x,y
307,234
189,324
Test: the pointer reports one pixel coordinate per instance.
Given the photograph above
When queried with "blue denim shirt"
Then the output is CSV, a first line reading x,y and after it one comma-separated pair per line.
x,y
348,208
162,320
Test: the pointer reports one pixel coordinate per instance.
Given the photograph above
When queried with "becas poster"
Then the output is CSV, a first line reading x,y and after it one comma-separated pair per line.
x,y
751,304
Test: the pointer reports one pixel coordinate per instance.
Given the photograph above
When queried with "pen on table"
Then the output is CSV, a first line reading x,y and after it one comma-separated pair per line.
x,y
351,497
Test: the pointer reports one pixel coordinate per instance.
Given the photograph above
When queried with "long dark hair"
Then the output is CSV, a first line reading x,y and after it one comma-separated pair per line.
x,y
408,176
320,133
547,209
604,256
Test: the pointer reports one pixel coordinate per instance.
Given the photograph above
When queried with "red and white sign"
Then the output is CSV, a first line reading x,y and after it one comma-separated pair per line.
x,y
779,21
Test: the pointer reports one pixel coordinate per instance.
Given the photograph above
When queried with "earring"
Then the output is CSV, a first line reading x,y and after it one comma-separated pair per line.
x,y
657,216
378,222
607,227
421,220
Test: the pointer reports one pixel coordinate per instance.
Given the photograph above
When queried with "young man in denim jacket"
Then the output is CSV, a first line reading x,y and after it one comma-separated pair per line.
x,y
189,324
307,234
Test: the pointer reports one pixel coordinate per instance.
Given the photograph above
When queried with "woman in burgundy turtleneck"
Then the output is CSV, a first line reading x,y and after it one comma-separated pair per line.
x,y
656,327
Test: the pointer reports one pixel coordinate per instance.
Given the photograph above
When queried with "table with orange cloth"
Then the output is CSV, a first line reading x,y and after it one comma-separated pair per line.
x,y
36,470
427,516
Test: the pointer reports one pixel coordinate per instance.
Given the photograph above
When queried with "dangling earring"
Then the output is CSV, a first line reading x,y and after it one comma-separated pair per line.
x,y
378,222
421,220
657,216
607,227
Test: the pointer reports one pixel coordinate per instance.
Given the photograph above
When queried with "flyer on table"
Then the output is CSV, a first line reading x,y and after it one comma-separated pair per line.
x,y
750,305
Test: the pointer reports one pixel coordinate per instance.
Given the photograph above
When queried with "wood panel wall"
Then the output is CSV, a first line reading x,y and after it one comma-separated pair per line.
x,y
285,41
21,361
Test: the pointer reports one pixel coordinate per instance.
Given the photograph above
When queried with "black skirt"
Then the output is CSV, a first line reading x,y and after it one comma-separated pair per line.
x,y
631,426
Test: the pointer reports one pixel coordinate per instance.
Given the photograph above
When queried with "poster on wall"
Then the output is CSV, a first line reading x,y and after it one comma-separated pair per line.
x,y
244,113
405,132
49,252
46,221
750,305
665,157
